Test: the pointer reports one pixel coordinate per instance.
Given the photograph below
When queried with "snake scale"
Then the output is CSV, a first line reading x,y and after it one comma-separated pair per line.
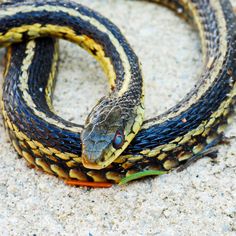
x,y
114,142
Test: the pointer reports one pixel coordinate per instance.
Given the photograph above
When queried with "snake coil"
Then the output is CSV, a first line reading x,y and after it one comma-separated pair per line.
x,y
115,142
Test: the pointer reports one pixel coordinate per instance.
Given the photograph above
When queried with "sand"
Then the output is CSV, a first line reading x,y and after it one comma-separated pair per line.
x,y
198,201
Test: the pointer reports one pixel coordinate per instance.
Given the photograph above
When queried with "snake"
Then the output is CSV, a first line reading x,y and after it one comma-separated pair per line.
x,y
116,142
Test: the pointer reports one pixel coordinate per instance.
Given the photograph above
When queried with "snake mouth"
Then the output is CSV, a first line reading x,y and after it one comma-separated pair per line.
x,y
90,165
96,165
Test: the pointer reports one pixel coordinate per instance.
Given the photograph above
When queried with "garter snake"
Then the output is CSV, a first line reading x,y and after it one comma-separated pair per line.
x,y
115,142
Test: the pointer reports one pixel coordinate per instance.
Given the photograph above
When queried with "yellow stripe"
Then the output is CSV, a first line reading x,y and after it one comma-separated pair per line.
x,y
71,35
30,52
216,68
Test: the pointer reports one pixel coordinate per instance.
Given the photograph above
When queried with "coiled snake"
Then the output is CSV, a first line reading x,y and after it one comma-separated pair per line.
x,y
115,142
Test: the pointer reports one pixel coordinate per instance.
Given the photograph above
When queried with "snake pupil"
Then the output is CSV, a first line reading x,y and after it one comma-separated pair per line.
x,y
118,139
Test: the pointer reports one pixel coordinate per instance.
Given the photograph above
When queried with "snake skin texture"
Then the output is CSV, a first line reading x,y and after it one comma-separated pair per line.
x,y
188,130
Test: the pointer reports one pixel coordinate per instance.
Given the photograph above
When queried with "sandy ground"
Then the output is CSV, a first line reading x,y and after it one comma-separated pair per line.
x,y
198,201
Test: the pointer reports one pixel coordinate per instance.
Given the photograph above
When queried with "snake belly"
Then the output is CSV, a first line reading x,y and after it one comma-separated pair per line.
x,y
164,142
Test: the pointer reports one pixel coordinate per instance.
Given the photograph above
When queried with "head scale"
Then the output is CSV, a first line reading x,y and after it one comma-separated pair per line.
x,y
107,132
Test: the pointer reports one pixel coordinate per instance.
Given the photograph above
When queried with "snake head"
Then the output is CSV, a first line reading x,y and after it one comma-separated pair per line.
x,y
108,130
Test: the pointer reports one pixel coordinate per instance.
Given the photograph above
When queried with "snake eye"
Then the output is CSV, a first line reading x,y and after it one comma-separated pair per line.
x,y
118,139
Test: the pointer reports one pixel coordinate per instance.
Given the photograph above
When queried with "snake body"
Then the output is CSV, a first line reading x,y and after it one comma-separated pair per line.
x,y
52,144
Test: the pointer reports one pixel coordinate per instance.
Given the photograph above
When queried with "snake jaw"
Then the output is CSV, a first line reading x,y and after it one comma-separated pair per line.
x,y
95,166
90,165
97,160
90,161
